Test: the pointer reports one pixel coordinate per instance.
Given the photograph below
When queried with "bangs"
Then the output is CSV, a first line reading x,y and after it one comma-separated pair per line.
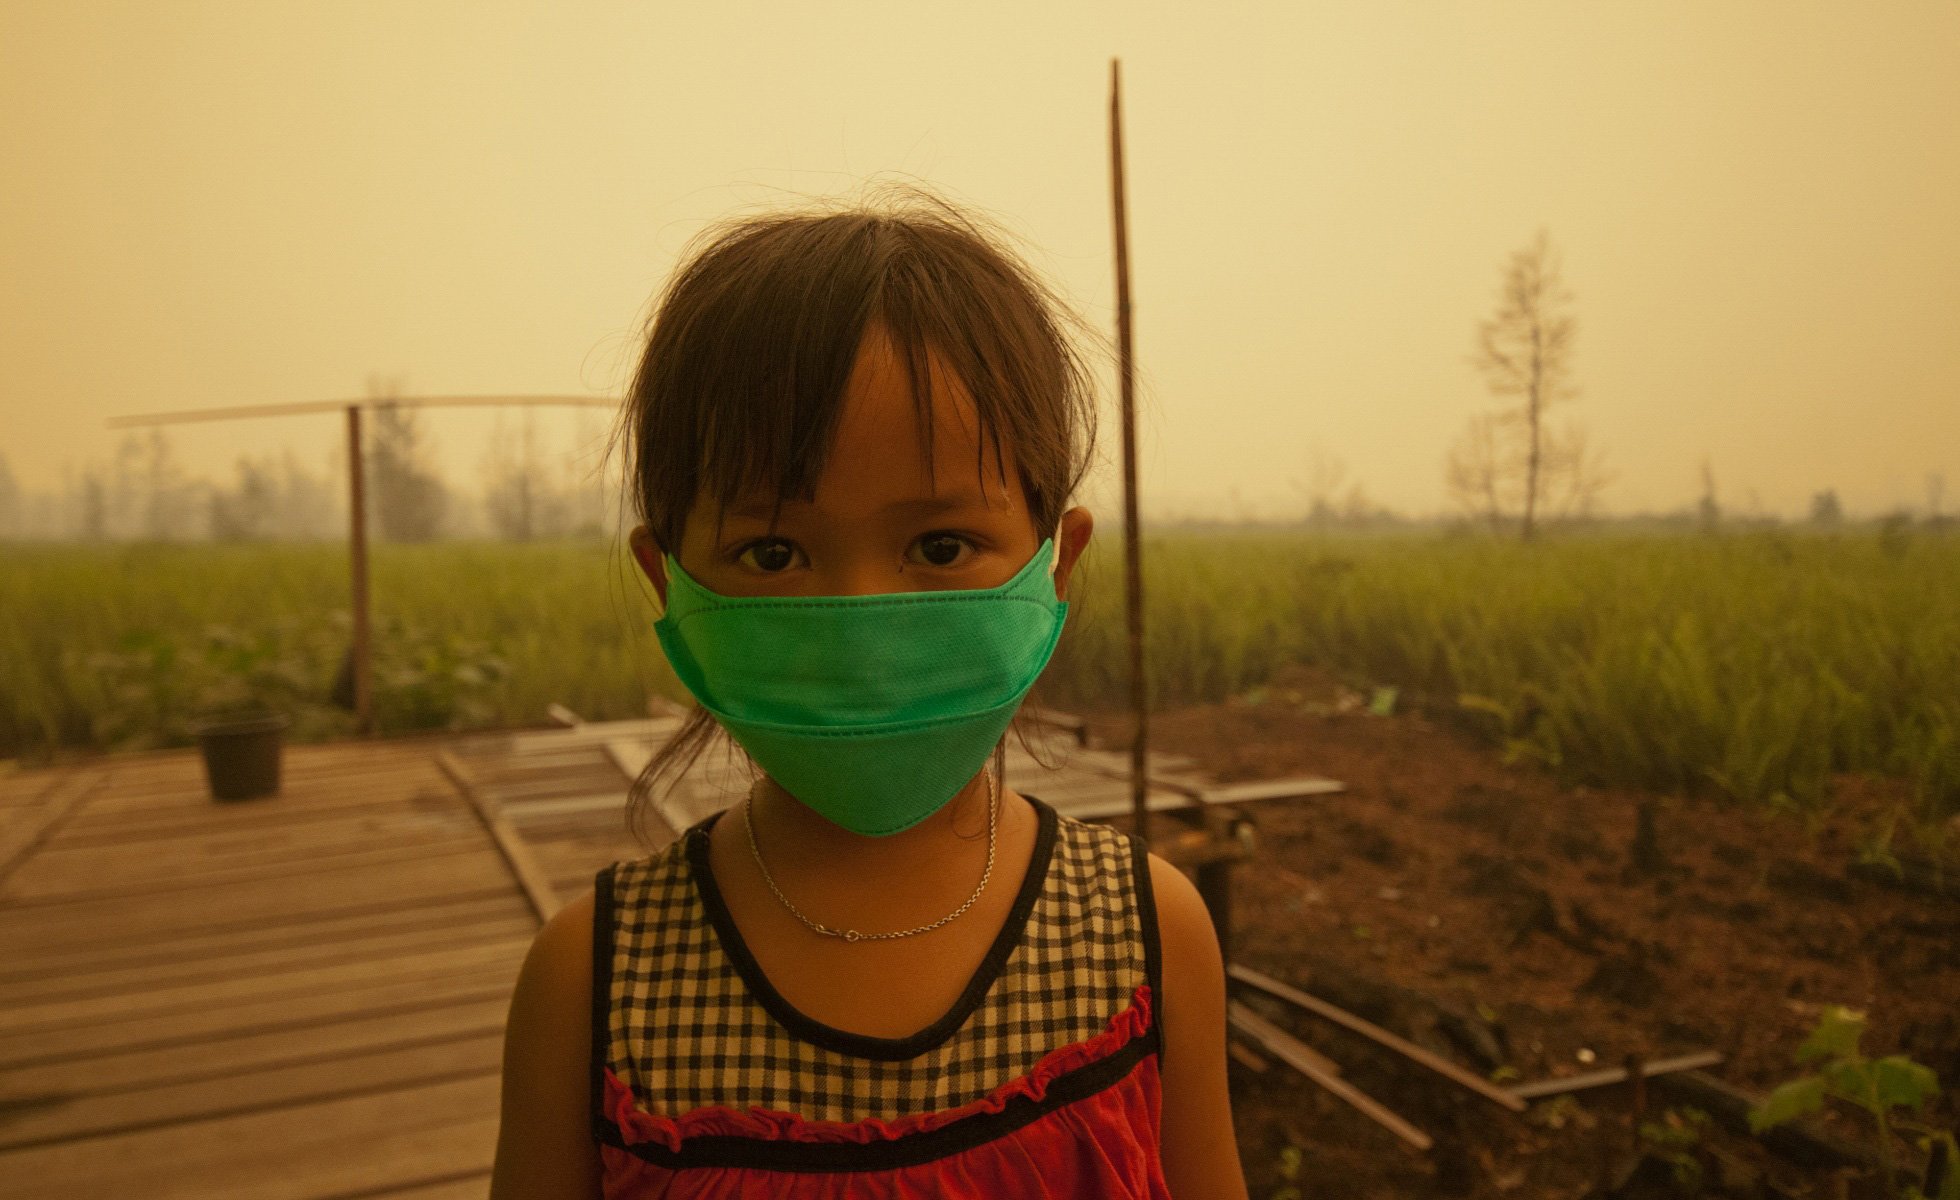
x,y
743,382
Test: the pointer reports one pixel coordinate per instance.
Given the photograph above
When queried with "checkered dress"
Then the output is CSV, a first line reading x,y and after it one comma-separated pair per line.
x,y
707,1082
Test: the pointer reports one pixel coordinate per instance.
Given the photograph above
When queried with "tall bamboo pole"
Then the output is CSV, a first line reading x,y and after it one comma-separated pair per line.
x,y
1132,558
357,541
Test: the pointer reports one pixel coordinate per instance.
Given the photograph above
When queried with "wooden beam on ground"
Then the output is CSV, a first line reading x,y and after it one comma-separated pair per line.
x,y
1375,1033
1243,1054
511,844
1612,1075
1294,1053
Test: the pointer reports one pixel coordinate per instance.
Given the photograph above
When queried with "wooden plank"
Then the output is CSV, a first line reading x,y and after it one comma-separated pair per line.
x,y
379,819
591,732
538,763
203,995
1375,1033
131,803
355,829
472,1186
242,820
570,865
1272,789
1098,808
586,826
77,1045
286,954
1287,1049
227,1053
40,925
27,786
182,783
27,831
544,901
60,875
59,1116
594,776
351,1146
74,960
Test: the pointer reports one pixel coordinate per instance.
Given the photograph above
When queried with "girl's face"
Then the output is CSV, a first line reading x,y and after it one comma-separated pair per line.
x,y
876,524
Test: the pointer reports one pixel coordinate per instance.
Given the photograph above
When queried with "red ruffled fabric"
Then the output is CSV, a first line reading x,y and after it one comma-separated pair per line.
x,y
637,1126
1103,1145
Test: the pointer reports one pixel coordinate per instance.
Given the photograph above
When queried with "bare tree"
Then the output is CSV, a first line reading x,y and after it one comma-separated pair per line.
x,y
1825,509
519,495
169,494
585,489
92,505
12,523
409,499
248,511
1708,510
1573,473
306,502
1525,350
1325,474
1477,470
1935,489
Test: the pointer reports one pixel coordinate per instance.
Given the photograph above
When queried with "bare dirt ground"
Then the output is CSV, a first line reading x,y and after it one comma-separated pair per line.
x,y
1493,891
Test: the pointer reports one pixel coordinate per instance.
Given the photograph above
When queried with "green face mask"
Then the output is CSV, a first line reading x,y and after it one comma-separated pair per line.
x,y
872,710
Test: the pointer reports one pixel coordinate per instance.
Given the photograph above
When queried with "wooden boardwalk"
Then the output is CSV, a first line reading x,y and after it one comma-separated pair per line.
x,y
302,997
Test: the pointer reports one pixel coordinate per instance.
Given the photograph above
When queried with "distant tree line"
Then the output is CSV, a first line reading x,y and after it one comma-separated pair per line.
x,y
143,494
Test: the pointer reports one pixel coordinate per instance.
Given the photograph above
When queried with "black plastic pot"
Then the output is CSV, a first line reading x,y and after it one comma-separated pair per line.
x,y
241,755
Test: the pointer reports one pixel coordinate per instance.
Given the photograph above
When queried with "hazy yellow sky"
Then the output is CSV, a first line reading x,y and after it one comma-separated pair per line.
x,y
1757,206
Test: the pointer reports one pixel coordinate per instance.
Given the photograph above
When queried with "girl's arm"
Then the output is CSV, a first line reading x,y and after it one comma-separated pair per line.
x,y
545,1147
1199,1149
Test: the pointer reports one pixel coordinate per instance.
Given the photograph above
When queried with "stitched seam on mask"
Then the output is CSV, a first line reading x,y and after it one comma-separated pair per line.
x,y
874,731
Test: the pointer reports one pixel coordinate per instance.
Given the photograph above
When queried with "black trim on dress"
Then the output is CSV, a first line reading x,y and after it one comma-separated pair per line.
x,y
861,1045
733,1150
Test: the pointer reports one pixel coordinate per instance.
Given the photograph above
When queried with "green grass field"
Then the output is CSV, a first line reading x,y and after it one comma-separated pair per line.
x,y
1754,664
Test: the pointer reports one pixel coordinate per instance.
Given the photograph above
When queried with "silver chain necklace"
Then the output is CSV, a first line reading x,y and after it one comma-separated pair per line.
x,y
852,935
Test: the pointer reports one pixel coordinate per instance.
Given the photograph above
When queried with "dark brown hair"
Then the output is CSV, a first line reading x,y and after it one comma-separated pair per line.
x,y
751,346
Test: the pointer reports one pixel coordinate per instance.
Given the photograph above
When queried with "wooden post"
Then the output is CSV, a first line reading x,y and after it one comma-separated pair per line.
x,y
1132,566
357,540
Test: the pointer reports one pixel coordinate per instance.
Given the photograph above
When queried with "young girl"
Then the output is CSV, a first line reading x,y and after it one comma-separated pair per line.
x,y
884,972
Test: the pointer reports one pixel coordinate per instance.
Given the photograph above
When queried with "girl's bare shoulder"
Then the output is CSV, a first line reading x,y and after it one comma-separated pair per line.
x,y
545,1146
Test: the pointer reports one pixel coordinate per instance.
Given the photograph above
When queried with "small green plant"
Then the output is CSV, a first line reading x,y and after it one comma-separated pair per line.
x,y
426,678
1876,1085
1674,1139
1289,1170
157,687
1875,848
1558,1112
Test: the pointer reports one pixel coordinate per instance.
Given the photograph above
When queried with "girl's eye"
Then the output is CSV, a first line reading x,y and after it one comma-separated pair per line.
x,y
941,549
775,554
